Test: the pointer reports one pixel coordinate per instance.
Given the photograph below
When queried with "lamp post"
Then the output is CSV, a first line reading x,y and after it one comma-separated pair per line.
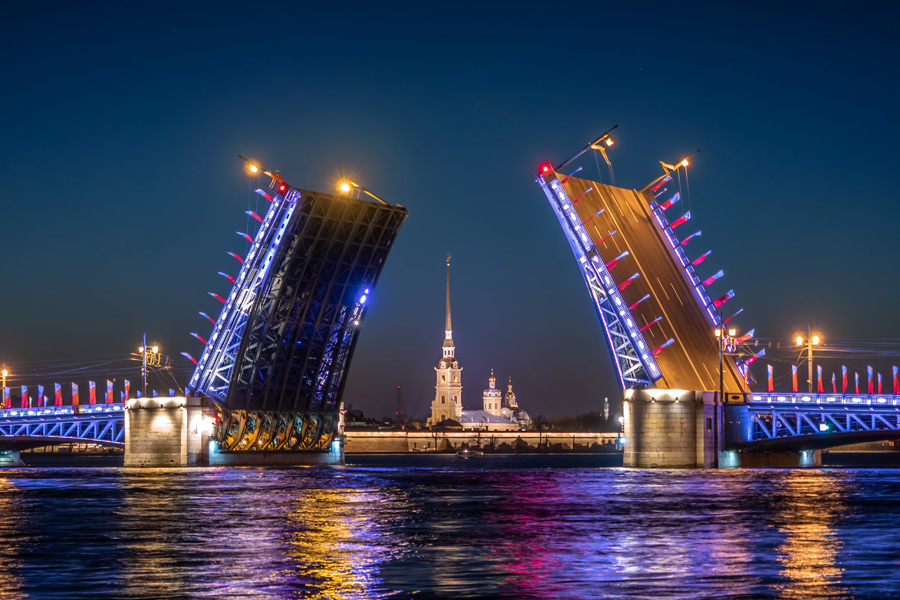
x,y
812,339
149,355
726,340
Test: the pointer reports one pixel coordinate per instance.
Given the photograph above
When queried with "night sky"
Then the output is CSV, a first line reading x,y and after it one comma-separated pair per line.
x,y
121,124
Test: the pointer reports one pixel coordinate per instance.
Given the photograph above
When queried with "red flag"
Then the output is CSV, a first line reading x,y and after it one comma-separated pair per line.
x,y
879,383
869,374
719,302
856,377
92,392
680,220
57,394
844,379
771,378
833,384
628,281
819,378
794,377
668,203
896,382
74,394
109,391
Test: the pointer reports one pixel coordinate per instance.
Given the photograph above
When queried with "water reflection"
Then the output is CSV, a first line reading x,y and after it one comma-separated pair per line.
x,y
813,505
11,539
339,538
507,528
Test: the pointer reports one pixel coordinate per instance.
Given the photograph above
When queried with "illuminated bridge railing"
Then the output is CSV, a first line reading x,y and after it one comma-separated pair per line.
x,y
774,416
99,423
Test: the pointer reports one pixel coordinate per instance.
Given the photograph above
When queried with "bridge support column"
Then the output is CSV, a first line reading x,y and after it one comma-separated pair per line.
x,y
10,459
166,432
669,429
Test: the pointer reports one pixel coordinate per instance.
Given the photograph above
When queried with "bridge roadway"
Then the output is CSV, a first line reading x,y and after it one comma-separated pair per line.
x,y
22,428
692,361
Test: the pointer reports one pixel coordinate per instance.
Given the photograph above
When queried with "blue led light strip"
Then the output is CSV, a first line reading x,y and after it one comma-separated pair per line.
x,y
212,374
635,364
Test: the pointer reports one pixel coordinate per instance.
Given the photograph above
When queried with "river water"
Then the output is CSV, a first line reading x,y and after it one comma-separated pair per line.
x,y
440,527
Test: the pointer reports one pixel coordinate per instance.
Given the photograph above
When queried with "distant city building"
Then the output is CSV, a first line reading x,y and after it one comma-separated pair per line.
x,y
500,413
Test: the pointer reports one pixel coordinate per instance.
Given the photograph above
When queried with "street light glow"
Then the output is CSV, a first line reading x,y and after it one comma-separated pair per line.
x,y
254,168
718,333
4,372
732,332
684,162
610,141
155,349
815,339
799,340
344,187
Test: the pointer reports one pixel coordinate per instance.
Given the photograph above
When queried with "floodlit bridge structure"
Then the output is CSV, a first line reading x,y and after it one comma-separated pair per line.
x,y
277,357
685,379
267,386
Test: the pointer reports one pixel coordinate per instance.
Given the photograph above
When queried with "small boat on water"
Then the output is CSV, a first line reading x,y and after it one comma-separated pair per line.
x,y
468,453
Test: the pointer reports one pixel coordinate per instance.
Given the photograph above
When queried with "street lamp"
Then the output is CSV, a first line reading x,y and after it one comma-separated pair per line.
x,y
149,355
812,339
726,339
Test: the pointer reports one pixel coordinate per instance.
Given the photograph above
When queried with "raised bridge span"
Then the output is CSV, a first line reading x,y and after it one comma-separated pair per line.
x,y
666,318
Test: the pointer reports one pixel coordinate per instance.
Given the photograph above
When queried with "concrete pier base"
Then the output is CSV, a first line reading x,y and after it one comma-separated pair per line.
x,y
669,429
733,459
166,432
10,459
175,432
334,455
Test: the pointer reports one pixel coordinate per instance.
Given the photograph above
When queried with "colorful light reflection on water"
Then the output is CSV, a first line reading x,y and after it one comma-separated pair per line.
x,y
439,527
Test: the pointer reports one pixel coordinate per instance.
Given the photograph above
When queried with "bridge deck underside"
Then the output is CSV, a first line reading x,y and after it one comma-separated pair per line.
x,y
691,361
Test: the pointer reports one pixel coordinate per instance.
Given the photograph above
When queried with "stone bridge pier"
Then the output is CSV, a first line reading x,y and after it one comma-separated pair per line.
x,y
684,429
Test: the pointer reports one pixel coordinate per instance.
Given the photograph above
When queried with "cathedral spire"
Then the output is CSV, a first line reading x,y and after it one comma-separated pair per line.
x,y
449,327
449,349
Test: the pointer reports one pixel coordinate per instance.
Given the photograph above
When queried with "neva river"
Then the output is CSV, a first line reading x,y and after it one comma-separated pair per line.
x,y
441,527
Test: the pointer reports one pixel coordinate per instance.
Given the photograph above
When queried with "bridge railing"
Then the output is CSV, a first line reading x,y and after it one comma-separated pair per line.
x,y
771,416
62,411
811,399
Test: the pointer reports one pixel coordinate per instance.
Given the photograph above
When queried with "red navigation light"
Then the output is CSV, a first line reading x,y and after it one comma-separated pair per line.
x,y
282,188
546,168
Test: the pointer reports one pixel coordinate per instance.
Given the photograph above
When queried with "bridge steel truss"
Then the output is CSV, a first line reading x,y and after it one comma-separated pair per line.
x,y
100,424
657,315
769,417
276,361
634,362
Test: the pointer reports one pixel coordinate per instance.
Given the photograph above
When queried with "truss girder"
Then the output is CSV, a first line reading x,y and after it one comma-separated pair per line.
x,y
106,427
635,364
286,334
772,422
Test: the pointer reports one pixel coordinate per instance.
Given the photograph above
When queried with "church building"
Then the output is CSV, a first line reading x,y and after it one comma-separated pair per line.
x,y
500,412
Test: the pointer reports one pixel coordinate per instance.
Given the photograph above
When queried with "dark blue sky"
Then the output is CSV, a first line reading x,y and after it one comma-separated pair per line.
x,y
121,189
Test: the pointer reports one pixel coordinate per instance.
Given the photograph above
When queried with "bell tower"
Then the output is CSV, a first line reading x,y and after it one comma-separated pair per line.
x,y
447,402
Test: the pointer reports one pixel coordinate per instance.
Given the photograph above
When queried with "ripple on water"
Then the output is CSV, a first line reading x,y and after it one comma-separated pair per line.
x,y
393,527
